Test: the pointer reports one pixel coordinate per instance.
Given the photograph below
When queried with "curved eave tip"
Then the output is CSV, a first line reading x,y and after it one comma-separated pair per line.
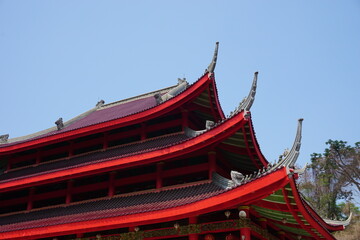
x,y
340,223
348,220
301,170
301,119
256,73
212,65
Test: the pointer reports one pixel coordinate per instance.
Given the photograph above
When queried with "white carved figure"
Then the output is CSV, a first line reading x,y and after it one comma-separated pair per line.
x,y
237,177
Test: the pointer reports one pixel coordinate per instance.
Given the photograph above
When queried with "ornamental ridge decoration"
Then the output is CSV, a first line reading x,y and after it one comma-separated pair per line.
x,y
288,160
248,101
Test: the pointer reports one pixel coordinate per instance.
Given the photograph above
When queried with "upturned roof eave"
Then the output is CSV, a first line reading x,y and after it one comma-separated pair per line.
x,y
309,214
246,105
330,225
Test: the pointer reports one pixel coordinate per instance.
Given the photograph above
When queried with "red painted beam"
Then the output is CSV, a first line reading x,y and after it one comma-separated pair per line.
x,y
273,206
256,144
250,154
213,111
295,215
216,97
233,149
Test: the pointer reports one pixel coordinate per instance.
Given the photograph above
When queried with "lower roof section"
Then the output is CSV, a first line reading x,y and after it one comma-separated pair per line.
x,y
114,207
271,194
141,208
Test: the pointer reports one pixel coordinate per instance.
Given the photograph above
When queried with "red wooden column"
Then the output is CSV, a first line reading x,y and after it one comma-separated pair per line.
x,y
195,236
8,165
143,131
112,177
212,163
159,173
38,157
70,185
184,118
71,149
263,223
134,229
106,141
245,231
282,235
30,199
79,235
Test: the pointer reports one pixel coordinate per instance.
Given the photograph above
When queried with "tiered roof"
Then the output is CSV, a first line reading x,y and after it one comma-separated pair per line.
x,y
269,189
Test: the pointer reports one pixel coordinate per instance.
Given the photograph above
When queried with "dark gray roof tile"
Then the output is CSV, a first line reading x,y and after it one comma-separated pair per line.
x,y
116,206
92,158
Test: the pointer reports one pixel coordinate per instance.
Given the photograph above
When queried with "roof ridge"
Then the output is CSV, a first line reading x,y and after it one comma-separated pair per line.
x,y
51,129
80,116
130,99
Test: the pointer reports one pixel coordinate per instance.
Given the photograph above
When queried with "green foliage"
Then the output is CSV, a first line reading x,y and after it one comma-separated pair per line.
x,y
349,207
331,177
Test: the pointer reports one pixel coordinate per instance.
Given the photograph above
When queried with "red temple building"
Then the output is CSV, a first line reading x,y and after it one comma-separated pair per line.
x,y
163,165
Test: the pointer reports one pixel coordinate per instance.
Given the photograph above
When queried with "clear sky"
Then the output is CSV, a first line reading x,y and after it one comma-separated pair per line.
x,y
59,58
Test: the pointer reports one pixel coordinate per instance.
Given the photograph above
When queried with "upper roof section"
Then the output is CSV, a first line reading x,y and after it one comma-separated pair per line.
x,y
99,114
125,111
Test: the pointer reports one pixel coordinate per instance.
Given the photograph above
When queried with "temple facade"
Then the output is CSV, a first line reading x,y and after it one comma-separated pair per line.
x,y
163,165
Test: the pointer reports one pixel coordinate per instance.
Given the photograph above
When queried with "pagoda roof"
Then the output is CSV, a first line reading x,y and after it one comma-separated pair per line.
x,y
172,202
271,193
271,190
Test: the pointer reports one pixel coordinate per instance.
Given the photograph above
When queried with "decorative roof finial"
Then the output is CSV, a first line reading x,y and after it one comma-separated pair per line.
x,y
212,65
100,103
180,87
181,80
59,123
249,100
291,157
4,138
209,124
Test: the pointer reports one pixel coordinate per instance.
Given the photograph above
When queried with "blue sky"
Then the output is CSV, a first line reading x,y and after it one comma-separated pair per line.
x,y
59,58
